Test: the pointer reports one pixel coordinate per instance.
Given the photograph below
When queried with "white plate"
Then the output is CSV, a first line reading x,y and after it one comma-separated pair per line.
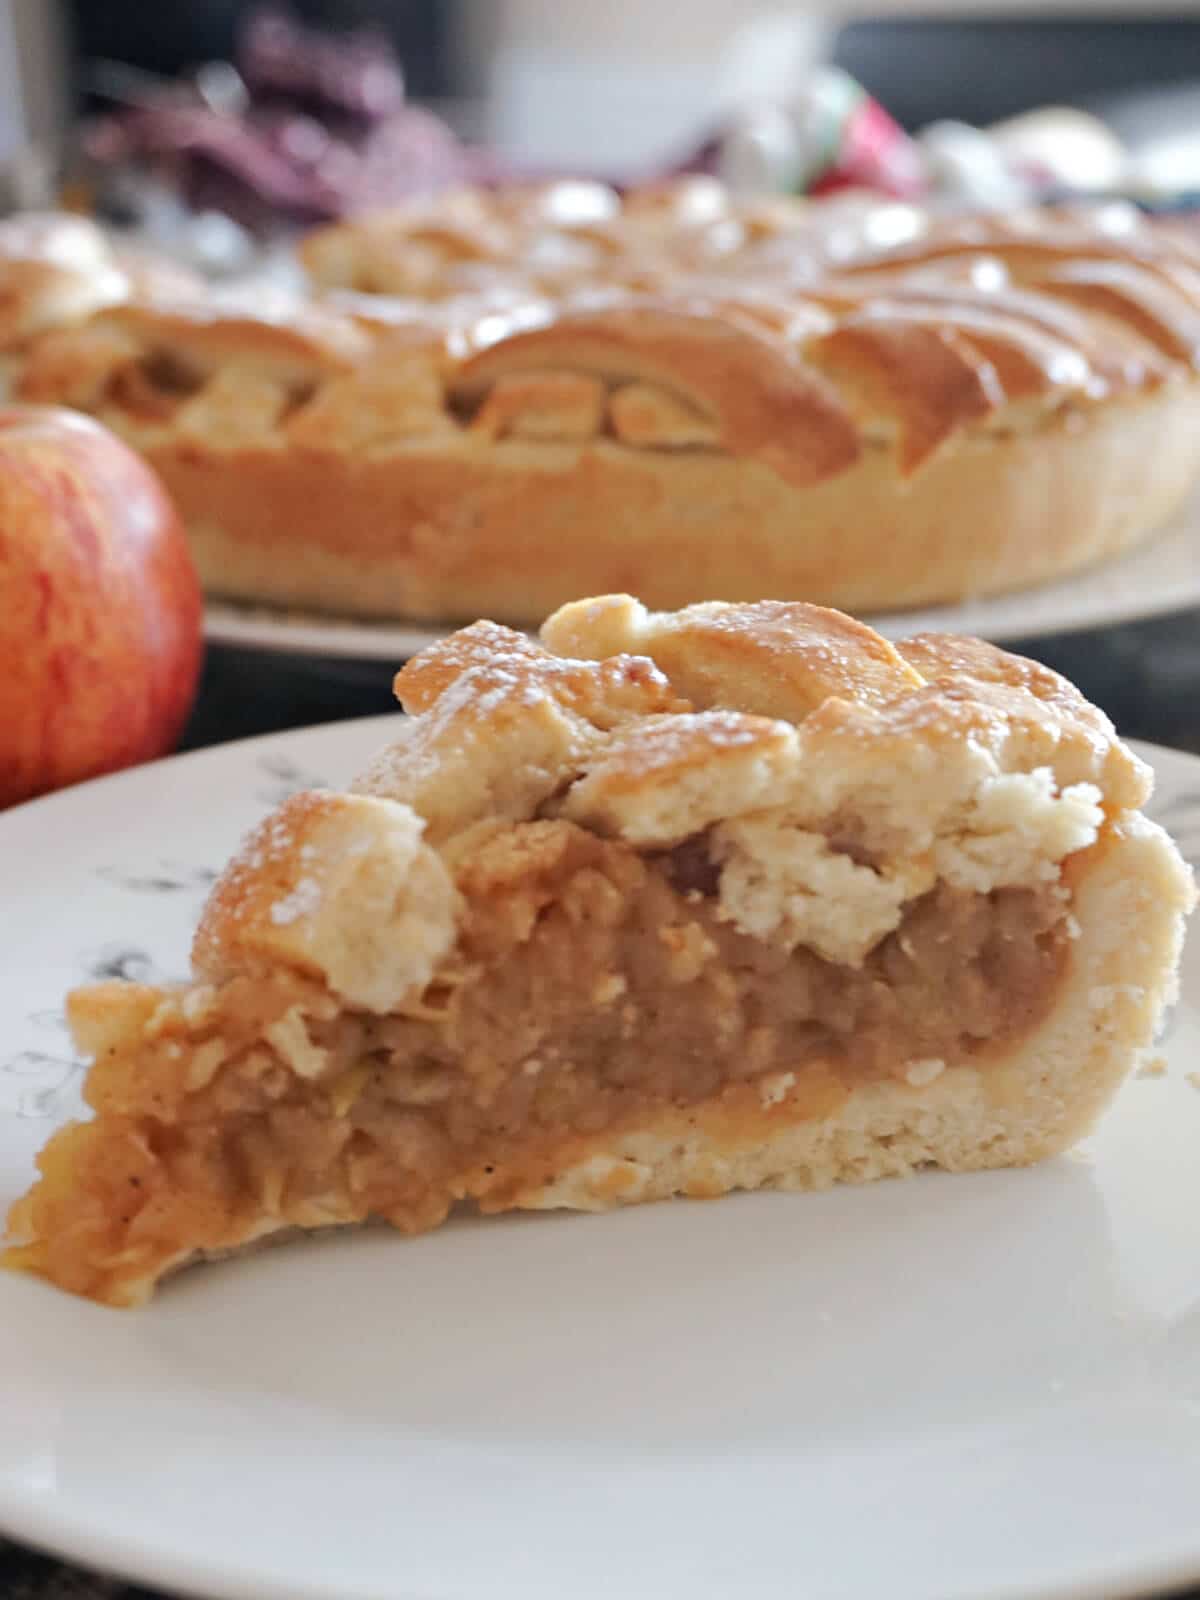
x,y
974,1387
1163,575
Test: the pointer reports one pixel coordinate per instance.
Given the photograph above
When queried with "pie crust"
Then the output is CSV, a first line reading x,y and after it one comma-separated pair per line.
x,y
679,395
668,904
57,269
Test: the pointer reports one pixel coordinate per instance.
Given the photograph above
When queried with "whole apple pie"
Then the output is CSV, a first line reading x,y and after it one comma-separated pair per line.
x,y
667,904
491,403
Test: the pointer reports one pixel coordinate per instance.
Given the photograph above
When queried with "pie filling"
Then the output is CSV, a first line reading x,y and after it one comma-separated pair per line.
x,y
591,987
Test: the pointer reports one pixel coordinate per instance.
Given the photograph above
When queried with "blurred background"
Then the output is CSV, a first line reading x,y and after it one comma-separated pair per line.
x,y
277,116
966,61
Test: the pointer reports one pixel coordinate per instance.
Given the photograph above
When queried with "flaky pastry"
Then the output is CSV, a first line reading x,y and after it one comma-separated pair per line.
x,y
666,904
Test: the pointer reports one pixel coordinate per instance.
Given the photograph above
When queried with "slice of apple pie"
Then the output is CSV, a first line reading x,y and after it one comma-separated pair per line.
x,y
667,904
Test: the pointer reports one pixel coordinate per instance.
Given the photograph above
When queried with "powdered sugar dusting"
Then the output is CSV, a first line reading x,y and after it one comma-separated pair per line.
x,y
272,839
487,684
417,752
675,740
303,901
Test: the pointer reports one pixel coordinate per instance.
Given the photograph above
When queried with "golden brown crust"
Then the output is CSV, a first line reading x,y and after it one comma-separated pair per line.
x,y
764,404
54,268
697,398
444,531
773,659
622,718
551,234
258,331
317,890
57,270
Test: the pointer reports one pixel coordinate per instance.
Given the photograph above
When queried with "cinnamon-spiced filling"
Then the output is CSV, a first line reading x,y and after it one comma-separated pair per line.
x,y
591,985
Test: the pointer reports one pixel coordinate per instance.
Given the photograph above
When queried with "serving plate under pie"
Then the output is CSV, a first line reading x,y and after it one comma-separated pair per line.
x,y
1160,576
971,1387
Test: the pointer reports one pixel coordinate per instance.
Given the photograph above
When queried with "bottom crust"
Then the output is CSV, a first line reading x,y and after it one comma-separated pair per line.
x,y
447,531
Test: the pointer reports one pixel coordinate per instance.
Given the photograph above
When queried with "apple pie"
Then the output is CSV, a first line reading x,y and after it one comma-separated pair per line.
x,y
667,904
677,395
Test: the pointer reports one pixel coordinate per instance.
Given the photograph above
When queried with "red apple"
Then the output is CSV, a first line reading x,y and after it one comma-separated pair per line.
x,y
100,607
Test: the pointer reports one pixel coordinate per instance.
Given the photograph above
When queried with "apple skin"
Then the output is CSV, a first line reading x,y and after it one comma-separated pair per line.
x,y
101,616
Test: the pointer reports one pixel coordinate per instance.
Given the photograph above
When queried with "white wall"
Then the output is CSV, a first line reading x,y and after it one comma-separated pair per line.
x,y
613,82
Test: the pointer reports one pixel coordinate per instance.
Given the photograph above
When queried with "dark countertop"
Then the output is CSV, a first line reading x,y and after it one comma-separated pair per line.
x,y
1146,675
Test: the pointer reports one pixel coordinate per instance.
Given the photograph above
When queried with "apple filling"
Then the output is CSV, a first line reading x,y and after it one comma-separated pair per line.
x,y
590,985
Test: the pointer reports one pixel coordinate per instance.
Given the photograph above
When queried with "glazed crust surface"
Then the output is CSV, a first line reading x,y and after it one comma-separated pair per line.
x,y
693,398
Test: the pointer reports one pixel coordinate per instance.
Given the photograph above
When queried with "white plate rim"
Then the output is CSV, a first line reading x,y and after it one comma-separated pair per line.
x,y
130,1562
